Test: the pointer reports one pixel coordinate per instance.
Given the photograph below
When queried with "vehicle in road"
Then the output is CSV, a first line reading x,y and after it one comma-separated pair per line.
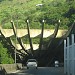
x,y
32,63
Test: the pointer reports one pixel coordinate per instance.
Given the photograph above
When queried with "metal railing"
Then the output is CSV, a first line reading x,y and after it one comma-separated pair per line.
x,y
69,55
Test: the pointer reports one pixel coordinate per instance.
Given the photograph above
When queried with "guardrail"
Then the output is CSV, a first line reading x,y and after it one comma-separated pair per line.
x,y
69,55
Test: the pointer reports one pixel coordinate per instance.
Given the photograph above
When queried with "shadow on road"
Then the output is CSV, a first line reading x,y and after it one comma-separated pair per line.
x,y
40,71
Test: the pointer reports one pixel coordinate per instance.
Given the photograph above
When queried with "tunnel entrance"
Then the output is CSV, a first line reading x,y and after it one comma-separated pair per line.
x,y
46,53
46,58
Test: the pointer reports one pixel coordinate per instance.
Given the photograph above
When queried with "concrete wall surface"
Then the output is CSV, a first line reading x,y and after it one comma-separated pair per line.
x,y
33,32
8,68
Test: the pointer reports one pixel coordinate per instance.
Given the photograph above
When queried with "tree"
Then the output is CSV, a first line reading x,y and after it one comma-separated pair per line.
x,y
5,57
69,0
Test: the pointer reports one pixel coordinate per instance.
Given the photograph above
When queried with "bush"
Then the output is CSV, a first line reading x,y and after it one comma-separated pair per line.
x,y
5,57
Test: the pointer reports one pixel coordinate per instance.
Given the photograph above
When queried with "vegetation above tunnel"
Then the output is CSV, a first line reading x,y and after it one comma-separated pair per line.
x,y
51,11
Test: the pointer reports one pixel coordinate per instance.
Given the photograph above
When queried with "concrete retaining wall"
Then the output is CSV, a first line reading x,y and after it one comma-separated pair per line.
x,y
10,67
33,32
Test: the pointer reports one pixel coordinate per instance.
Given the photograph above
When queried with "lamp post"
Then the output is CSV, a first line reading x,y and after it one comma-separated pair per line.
x,y
0,56
15,45
15,55
41,37
15,32
30,41
16,39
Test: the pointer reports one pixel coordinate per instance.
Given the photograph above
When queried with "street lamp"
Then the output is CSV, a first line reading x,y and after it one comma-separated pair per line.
x,y
32,52
15,29
16,39
15,44
41,38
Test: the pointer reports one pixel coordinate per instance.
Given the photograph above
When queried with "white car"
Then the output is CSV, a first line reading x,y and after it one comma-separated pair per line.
x,y
31,63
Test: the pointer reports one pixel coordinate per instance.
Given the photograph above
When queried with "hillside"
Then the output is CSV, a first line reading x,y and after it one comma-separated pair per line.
x,y
10,9
50,10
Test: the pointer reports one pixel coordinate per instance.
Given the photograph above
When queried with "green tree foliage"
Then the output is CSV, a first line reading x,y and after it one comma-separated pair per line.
x,y
62,10
51,11
5,57
1,0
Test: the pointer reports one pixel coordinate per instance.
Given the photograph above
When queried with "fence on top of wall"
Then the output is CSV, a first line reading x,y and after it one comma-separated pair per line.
x,y
69,55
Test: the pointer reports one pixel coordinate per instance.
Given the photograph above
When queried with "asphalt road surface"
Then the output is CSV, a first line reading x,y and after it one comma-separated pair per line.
x,y
40,71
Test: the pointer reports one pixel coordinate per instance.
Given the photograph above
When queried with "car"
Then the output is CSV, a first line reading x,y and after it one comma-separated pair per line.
x,y
31,63
56,63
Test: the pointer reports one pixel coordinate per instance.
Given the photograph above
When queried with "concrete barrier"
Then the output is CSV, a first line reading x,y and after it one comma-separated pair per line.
x,y
11,67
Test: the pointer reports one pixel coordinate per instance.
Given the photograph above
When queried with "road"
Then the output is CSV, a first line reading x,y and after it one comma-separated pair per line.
x,y
40,71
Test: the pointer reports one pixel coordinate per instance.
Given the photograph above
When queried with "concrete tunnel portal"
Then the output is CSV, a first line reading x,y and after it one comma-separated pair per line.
x,y
46,52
